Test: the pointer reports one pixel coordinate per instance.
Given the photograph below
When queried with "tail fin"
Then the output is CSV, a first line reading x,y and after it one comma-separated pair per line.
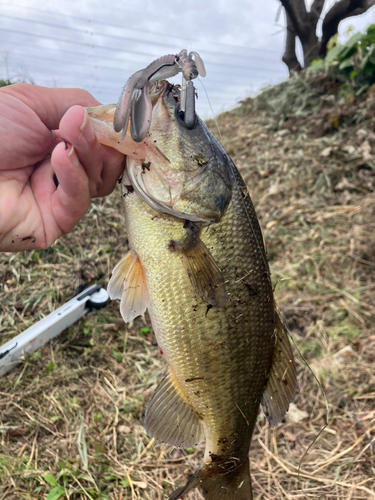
x,y
219,481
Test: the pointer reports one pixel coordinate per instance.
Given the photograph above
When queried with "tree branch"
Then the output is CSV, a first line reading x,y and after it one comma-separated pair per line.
x,y
296,10
316,10
289,56
339,11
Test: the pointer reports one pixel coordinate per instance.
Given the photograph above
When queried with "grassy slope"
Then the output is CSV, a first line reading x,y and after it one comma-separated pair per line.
x,y
317,212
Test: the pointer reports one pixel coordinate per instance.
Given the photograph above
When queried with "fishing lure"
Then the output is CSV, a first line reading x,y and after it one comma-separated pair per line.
x,y
134,101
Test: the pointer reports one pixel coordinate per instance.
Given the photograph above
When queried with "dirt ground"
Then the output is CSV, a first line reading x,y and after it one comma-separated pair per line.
x,y
71,413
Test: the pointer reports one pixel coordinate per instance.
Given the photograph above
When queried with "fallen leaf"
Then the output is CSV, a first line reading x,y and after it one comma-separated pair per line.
x,y
124,429
282,132
16,433
271,223
289,436
342,356
294,415
265,173
349,148
334,121
345,184
140,484
326,152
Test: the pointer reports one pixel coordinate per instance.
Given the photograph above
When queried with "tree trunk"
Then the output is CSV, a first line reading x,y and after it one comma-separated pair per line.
x,y
289,56
310,48
302,24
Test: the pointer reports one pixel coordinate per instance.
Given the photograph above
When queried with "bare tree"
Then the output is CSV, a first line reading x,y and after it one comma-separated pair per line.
x,y
302,23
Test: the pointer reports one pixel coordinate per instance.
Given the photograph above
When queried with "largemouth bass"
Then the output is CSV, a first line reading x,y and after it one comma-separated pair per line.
x,y
197,262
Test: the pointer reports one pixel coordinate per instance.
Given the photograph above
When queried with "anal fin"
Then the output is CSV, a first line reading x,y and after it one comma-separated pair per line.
x,y
169,418
128,283
282,381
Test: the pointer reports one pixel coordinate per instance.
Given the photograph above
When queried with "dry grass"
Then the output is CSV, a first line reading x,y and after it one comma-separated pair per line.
x,y
70,415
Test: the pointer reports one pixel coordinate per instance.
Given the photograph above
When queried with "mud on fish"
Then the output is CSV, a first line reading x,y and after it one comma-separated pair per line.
x,y
197,263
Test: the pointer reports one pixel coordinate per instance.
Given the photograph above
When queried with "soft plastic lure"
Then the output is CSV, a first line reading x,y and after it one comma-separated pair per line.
x,y
134,101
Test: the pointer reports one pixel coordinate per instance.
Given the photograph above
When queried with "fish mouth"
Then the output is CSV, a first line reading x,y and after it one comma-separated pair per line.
x,y
158,90
184,174
187,116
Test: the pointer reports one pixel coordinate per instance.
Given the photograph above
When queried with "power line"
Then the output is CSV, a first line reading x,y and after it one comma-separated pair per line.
x,y
75,42
244,73
137,40
79,30
225,65
230,73
114,81
110,48
44,72
142,31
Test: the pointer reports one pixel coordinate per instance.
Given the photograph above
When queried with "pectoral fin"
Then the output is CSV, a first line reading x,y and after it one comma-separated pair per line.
x,y
169,417
128,283
116,283
282,381
204,274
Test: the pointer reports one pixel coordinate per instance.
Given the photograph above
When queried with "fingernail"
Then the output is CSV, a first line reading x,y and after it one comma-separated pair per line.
x,y
72,155
85,129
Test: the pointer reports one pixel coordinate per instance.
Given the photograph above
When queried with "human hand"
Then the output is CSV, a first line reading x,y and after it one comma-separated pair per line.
x,y
34,146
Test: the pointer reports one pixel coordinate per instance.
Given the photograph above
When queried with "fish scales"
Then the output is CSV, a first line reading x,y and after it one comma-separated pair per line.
x,y
198,263
228,349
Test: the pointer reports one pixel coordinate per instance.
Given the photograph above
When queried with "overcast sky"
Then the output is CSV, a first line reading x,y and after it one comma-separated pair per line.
x,y
97,45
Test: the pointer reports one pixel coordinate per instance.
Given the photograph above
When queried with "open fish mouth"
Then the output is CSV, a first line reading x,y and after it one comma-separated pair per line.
x,y
178,169
185,172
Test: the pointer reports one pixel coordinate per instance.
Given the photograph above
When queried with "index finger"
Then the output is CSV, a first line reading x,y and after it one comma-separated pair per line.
x,y
49,104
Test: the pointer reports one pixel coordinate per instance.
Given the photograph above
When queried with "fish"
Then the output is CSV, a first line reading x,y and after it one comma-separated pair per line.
x,y
197,263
